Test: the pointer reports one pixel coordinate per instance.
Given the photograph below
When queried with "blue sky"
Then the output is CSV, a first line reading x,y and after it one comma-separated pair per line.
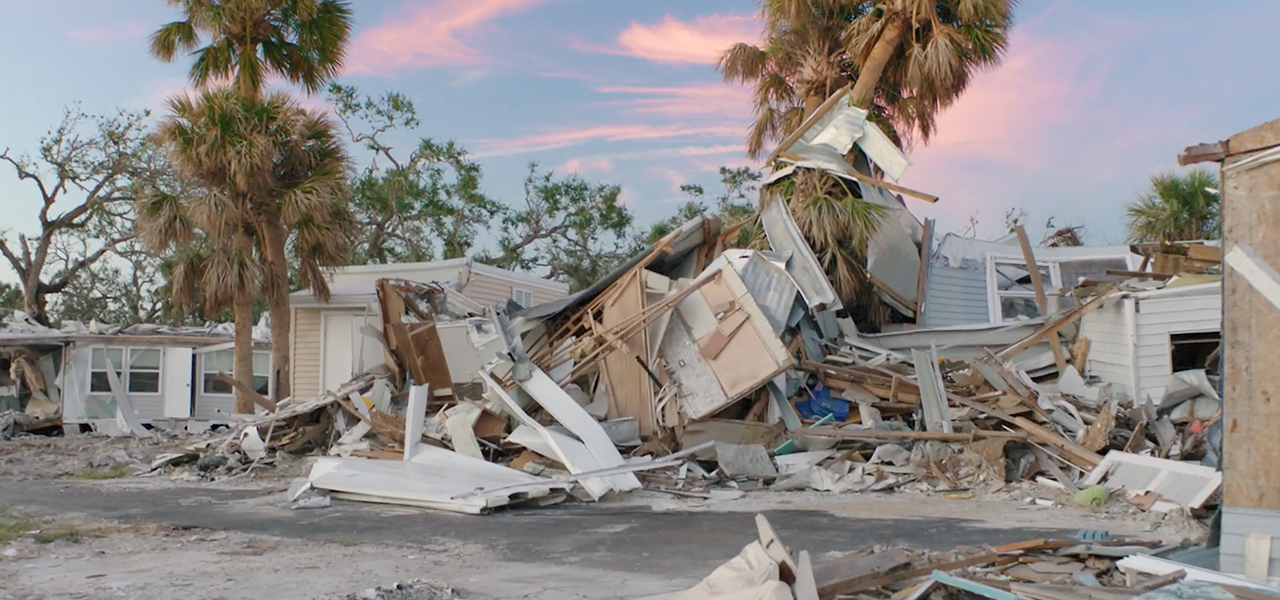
x,y
1092,99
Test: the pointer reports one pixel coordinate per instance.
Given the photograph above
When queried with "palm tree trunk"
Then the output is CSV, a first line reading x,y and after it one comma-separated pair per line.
x,y
869,75
278,271
243,368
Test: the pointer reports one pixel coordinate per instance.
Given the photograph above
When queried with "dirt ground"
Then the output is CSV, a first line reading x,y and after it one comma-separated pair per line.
x,y
65,549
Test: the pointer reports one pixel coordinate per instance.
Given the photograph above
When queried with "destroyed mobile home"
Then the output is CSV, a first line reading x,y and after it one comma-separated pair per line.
x,y
702,370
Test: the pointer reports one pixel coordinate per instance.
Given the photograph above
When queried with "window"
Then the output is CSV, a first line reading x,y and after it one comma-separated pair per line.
x,y
1014,293
137,368
223,361
1194,351
522,297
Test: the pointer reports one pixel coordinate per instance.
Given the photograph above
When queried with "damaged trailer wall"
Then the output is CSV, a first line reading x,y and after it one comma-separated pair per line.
x,y
1130,337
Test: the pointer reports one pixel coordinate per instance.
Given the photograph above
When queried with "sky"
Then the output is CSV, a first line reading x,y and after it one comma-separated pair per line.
x,y
1092,98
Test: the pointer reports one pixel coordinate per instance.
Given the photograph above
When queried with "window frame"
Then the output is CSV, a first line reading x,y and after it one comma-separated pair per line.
x,y
206,374
995,310
123,370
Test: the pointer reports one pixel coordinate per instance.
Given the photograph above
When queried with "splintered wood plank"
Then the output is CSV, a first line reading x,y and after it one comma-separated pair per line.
x,y
1081,456
630,389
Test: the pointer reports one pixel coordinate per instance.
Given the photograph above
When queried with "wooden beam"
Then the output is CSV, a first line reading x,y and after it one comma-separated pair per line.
x,y
1202,153
1084,457
922,278
867,179
809,121
884,287
880,434
257,398
1042,301
1138,274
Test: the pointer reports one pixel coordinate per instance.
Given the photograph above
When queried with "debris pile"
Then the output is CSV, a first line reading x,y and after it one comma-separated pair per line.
x,y
1039,569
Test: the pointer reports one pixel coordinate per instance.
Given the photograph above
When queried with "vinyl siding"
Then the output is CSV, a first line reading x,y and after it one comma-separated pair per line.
x,y
489,289
1237,523
955,297
1156,319
304,372
1110,345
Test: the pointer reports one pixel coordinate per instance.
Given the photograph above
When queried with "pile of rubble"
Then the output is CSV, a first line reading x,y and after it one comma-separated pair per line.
x,y
1039,569
696,368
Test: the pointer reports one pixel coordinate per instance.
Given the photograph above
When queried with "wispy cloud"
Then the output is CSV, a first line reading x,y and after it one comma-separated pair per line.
x,y
723,100
438,34
700,41
607,133
108,33
581,165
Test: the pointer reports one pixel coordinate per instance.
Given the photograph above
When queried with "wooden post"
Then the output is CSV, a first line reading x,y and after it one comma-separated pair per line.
x,y
1042,301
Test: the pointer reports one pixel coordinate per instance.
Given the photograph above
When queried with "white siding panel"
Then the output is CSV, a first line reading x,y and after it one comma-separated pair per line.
x,y
305,354
955,297
1110,346
489,290
1157,319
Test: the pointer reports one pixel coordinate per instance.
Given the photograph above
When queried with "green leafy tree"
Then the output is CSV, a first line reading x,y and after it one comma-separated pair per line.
x,y
733,205
10,298
568,228
414,206
1177,208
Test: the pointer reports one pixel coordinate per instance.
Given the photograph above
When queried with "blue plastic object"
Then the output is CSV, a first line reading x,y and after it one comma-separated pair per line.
x,y
1093,535
819,404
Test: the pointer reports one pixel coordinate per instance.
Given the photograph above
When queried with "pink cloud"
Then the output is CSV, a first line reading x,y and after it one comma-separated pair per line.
x,y
433,35
110,32
700,41
581,165
728,101
608,133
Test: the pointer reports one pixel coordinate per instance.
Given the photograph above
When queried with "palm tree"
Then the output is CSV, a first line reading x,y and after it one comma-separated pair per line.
x,y
245,41
275,180
1177,208
905,61
303,41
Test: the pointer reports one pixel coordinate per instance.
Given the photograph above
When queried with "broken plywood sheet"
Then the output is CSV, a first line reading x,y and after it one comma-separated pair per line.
x,y
785,236
630,389
1183,483
750,356
569,413
726,430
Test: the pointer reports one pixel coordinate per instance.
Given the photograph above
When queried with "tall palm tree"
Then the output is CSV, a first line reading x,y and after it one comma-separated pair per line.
x,y
277,182
245,41
1177,208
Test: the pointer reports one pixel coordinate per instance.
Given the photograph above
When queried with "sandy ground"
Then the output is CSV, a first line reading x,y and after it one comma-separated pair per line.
x,y
152,562
74,556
